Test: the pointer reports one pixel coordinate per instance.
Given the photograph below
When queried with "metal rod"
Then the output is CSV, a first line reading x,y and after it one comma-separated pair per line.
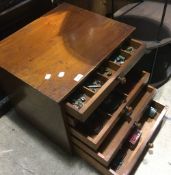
x,y
158,38
162,20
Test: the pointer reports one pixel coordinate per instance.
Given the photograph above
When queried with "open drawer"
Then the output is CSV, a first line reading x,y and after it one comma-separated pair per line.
x,y
104,121
126,159
121,129
86,98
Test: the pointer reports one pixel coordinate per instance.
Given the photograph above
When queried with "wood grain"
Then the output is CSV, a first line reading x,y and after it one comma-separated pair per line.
x,y
95,141
67,39
119,72
148,131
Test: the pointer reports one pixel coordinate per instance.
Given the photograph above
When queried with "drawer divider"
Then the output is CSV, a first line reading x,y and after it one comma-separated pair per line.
x,y
109,148
96,141
129,162
115,144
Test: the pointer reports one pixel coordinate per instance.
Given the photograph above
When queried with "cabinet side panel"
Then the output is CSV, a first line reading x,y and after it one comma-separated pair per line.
x,y
40,110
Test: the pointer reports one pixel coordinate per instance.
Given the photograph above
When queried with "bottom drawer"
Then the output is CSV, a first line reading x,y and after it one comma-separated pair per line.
x,y
126,158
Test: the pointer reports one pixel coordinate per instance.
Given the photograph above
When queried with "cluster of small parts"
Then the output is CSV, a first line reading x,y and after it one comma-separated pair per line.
x,y
106,71
119,59
137,132
130,49
79,102
95,85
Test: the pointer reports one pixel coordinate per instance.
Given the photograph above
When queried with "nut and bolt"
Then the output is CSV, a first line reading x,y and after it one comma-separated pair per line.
x,y
79,102
119,59
152,112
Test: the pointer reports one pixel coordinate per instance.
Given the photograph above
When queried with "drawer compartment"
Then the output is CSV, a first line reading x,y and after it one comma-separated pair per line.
x,y
130,46
101,82
126,159
129,56
135,82
121,129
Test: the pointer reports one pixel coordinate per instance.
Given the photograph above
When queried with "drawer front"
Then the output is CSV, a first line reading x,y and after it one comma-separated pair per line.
x,y
130,90
82,103
126,159
121,129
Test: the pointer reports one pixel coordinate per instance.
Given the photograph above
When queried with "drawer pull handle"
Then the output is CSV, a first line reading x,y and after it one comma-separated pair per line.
x,y
138,125
128,111
150,145
122,80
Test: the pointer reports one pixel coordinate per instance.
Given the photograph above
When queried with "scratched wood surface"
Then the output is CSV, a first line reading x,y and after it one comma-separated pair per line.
x,y
67,39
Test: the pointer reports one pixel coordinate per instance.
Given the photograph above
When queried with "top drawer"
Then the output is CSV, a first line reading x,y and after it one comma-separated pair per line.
x,y
101,82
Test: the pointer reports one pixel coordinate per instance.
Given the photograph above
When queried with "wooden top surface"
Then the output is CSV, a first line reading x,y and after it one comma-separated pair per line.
x,y
67,39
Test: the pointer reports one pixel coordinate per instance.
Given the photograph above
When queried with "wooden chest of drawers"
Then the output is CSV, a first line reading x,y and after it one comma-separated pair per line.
x,y
71,73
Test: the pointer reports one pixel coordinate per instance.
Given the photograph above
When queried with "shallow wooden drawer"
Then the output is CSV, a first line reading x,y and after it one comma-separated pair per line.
x,y
131,157
101,82
135,82
123,126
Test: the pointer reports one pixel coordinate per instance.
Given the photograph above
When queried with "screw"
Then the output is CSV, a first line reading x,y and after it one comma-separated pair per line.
x,y
94,86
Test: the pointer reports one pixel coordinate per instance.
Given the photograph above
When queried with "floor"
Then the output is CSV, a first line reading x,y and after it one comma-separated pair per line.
x,y
25,151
